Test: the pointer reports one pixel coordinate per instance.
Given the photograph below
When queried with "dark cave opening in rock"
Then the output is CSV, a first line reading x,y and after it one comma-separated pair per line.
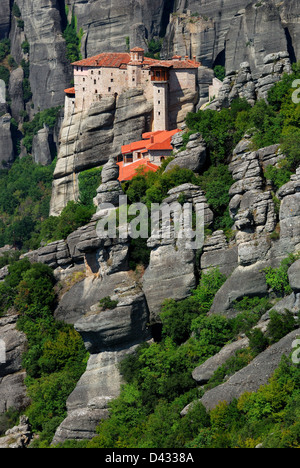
x,y
168,9
220,59
156,332
290,46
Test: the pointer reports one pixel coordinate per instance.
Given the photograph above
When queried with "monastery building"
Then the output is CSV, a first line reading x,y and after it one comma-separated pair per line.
x,y
110,74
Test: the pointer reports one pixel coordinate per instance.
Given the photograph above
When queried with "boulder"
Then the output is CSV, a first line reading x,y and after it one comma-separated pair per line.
x,y
244,281
41,151
251,377
6,146
202,374
193,158
19,437
125,324
294,276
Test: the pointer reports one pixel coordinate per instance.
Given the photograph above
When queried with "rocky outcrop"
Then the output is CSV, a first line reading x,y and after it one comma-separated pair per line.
x,y
193,158
16,92
255,219
6,146
107,24
202,374
251,377
217,253
251,84
5,18
172,259
41,147
13,345
294,276
89,139
109,335
19,437
50,72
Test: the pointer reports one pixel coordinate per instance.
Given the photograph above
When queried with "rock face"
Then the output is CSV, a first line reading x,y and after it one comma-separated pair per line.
x,y
251,377
253,211
251,83
193,158
172,259
19,437
109,334
50,72
211,29
89,139
6,146
4,18
13,345
108,23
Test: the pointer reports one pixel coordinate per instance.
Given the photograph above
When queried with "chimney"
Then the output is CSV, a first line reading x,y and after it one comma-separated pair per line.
x,y
152,139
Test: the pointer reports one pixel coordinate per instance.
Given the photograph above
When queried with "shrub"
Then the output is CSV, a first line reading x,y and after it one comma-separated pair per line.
x,y
89,181
280,325
71,218
277,278
220,72
107,303
47,117
258,342
4,48
177,318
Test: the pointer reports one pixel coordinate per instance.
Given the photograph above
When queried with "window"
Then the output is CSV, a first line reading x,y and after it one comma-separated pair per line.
x,y
158,102
158,91
112,80
96,91
92,72
109,90
158,113
83,89
99,72
83,79
95,81
133,79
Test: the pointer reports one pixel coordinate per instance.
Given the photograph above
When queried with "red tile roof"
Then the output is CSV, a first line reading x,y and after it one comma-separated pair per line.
x,y
129,171
70,91
183,64
110,60
117,60
156,141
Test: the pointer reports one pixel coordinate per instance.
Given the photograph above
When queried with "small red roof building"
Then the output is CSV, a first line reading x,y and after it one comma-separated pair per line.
x,y
128,172
147,153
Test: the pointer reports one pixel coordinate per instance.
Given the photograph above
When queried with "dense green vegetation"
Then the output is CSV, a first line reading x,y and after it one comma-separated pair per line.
x,y
154,48
277,278
56,356
269,123
73,38
25,193
47,117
